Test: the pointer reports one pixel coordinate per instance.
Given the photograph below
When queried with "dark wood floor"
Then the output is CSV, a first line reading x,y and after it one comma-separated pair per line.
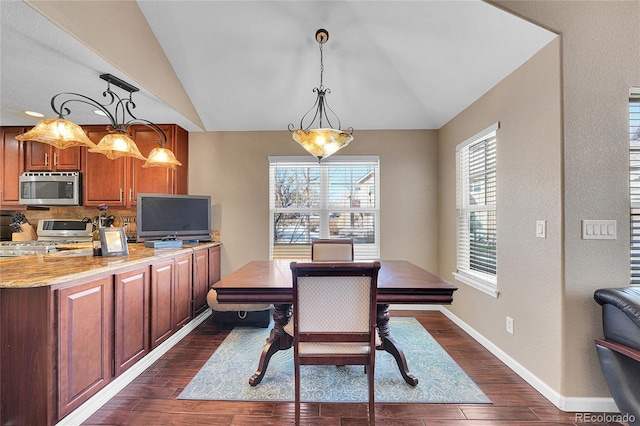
x,y
151,398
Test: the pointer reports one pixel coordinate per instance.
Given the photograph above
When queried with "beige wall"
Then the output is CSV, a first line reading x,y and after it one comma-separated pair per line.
x,y
562,157
527,105
233,168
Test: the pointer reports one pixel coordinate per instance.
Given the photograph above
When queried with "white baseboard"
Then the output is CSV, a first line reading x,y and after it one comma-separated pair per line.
x,y
564,403
94,403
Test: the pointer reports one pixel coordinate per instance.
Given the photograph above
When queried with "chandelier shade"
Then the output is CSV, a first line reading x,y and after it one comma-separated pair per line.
x,y
116,145
321,143
162,157
312,134
63,133
58,132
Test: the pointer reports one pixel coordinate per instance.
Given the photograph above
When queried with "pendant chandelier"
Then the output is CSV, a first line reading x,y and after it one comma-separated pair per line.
x,y
63,133
321,141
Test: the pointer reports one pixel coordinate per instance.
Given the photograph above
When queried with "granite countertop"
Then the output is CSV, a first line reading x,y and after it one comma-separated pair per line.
x,y
65,265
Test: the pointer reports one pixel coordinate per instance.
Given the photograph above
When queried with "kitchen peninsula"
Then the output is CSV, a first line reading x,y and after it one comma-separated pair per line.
x,y
71,323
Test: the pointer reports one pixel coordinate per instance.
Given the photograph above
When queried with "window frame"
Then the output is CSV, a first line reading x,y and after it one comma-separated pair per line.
x,y
485,282
634,190
371,251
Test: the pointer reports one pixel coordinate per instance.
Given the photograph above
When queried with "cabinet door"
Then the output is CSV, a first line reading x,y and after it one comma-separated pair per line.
x,y
214,265
12,159
162,278
131,318
67,159
104,179
182,290
200,280
38,156
43,157
85,342
152,179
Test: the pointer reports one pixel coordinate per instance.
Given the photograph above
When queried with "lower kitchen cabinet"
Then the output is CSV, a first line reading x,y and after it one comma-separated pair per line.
x,y
171,283
131,321
60,344
183,290
200,280
85,340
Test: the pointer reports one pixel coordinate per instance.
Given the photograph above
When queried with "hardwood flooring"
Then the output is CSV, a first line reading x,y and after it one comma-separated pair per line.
x,y
151,398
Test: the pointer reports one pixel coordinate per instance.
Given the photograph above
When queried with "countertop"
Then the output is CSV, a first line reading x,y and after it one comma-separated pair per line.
x,y
66,265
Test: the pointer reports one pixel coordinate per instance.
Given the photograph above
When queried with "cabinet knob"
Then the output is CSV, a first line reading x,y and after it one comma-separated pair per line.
x,y
46,158
121,192
55,158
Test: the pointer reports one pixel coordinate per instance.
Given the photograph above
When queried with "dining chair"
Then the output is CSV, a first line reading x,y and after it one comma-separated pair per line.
x,y
332,249
323,250
334,311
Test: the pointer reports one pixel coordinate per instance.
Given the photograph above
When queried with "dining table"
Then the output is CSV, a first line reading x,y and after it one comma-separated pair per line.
x,y
270,281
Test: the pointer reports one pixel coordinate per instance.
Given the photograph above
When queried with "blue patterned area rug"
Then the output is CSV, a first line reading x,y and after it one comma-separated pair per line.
x,y
225,376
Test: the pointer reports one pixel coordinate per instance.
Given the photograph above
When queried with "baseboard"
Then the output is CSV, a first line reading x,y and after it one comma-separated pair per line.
x,y
564,403
93,404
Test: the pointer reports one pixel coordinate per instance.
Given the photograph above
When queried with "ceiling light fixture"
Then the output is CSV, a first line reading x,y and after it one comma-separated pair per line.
x,y
321,141
63,133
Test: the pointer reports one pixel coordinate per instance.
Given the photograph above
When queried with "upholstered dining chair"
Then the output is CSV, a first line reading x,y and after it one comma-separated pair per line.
x,y
334,311
327,250
332,250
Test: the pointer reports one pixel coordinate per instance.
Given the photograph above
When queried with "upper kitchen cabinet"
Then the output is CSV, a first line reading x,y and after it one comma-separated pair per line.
x,y
12,160
118,182
43,157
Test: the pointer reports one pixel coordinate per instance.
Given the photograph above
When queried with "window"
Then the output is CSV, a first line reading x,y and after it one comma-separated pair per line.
x,y
476,206
634,183
338,198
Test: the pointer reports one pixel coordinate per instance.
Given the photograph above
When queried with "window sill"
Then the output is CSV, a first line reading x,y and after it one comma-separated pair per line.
x,y
478,284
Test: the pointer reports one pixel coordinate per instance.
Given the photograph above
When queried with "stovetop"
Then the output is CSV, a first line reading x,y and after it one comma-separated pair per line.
x,y
51,232
21,248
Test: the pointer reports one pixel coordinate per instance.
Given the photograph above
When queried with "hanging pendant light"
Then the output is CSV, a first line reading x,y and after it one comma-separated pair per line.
x,y
58,132
63,133
321,141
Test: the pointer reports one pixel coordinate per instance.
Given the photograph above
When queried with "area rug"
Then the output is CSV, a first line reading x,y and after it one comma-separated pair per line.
x,y
225,376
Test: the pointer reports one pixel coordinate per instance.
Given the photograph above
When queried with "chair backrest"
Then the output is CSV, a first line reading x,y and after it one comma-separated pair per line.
x,y
334,302
332,250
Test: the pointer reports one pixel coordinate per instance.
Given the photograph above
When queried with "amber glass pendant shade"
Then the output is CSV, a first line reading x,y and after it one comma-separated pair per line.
x,y
322,143
116,145
162,157
58,132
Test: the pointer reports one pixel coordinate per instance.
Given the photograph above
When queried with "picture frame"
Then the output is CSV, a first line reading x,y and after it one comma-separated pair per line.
x,y
113,242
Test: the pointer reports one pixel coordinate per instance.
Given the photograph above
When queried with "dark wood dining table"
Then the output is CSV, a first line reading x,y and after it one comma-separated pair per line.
x,y
269,281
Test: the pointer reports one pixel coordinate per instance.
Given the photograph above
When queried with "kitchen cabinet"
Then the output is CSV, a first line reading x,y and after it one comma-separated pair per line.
x,y
214,265
63,342
118,182
12,160
131,318
206,272
85,341
183,290
47,158
171,288
201,282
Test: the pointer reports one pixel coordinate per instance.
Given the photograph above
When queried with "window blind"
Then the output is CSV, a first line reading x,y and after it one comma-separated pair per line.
x,y
338,198
476,205
634,185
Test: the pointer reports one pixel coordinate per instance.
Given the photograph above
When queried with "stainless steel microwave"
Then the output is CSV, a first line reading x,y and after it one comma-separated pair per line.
x,y
51,188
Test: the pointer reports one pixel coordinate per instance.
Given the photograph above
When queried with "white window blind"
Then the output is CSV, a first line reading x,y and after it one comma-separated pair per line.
x,y
477,217
338,198
634,183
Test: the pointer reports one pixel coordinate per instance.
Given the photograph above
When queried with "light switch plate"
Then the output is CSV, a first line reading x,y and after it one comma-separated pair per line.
x,y
599,230
541,228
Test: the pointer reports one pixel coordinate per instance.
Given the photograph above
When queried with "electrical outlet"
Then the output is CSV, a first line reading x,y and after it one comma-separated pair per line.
x,y
509,325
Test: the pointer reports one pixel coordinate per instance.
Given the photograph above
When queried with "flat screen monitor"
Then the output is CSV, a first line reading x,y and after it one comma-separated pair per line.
x,y
182,217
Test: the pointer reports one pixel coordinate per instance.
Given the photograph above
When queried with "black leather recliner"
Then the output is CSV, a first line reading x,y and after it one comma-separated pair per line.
x,y
619,351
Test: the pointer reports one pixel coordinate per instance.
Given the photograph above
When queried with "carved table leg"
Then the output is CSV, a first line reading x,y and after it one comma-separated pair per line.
x,y
390,345
278,340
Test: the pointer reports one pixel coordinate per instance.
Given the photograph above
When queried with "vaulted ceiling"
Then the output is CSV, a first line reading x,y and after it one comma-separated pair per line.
x,y
252,65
